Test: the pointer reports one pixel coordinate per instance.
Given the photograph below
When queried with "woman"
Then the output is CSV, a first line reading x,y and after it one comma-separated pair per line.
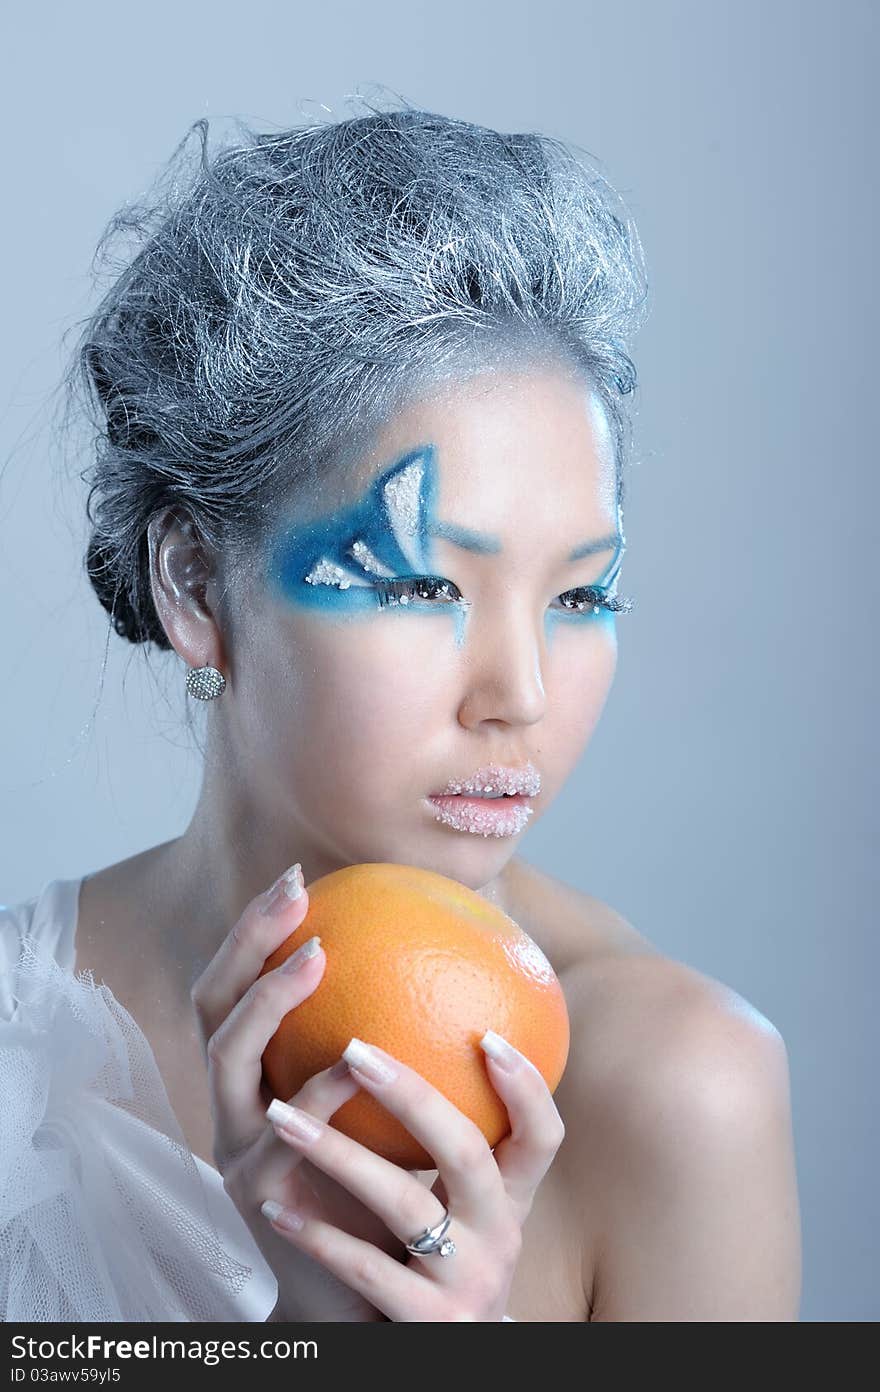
x,y
360,465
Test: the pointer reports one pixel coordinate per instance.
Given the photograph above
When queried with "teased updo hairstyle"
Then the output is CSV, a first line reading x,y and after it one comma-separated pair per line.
x,y
288,289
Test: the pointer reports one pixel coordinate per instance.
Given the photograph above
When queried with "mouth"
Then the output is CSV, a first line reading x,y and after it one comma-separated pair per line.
x,y
489,798
491,801
494,783
482,815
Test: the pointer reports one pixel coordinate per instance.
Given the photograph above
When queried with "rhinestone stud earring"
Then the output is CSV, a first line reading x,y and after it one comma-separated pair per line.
x,y
205,683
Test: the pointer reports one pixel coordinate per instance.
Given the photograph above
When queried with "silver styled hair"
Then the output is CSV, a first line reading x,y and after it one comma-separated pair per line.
x,y
291,289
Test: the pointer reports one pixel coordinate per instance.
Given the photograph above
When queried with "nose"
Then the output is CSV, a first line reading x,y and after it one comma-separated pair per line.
x,y
503,652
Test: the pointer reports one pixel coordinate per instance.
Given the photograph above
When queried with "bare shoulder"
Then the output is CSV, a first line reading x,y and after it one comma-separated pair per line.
x,y
647,1028
678,1161
649,1011
680,1142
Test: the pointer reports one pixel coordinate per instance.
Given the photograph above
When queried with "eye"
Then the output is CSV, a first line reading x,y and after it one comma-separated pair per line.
x,y
590,599
420,587
584,599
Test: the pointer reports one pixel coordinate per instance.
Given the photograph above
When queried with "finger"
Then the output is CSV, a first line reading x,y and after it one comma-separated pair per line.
x,y
395,1196
399,1291
235,1050
269,1162
458,1147
537,1130
267,921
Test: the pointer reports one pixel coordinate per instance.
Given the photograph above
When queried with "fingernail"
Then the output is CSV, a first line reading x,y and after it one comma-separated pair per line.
x,y
503,1053
339,1070
293,882
360,1056
302,954
288,886
284,1217
293,1119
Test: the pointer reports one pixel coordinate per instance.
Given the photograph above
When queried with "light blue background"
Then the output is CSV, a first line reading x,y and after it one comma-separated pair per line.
x,y
725,805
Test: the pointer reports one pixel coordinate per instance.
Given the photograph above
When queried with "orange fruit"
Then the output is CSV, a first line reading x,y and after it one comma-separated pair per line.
x,y
422,966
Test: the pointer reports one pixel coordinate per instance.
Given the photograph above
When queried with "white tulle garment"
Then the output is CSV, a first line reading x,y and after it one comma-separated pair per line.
x,y
105,1214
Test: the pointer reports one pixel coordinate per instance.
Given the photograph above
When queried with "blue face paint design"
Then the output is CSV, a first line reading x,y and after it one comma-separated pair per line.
x,y
337,565
470,541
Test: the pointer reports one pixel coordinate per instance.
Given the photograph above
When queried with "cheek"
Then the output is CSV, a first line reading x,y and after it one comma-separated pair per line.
x,y
580,673
367,694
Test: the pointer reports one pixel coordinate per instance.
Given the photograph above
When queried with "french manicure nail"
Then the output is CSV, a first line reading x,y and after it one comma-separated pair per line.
x,y
293,882
293,1119
302,954
284,1217
360,1056
288,886
498,1049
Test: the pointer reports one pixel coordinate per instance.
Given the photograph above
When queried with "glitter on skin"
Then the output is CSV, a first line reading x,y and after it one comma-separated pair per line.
x,y
361,552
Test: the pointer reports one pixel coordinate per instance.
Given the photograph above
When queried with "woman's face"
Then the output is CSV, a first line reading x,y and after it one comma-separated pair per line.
x,y
352,699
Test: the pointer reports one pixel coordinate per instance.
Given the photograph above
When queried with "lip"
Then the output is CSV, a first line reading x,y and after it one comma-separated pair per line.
x,y
482,816
521,783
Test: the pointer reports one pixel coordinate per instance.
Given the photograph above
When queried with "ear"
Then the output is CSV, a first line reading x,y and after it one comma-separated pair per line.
x,y
181,575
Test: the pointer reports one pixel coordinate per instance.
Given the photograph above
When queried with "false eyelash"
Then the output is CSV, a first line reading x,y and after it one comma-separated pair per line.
x,y
393,591
396,591
591,596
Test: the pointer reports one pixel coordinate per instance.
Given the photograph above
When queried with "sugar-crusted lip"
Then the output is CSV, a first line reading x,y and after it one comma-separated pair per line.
x,y
482,816
495,778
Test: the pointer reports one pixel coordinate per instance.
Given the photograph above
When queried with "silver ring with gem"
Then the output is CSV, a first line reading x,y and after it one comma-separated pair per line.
x,y
433,1239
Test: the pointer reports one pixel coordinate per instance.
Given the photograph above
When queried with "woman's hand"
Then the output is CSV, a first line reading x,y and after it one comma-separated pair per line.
x,y
488,1194
238,1012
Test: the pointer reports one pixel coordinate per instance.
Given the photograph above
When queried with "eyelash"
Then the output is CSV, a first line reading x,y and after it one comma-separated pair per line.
x,y
390,592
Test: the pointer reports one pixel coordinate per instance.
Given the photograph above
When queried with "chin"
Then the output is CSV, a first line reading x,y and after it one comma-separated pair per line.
x,y
473,864
471,860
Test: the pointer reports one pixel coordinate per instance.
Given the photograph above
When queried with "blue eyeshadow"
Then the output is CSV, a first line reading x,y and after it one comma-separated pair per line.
x,y
331,564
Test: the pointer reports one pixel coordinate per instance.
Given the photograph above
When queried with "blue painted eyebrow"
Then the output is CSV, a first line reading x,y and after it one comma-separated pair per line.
x,y
462,536
479,541
612,542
